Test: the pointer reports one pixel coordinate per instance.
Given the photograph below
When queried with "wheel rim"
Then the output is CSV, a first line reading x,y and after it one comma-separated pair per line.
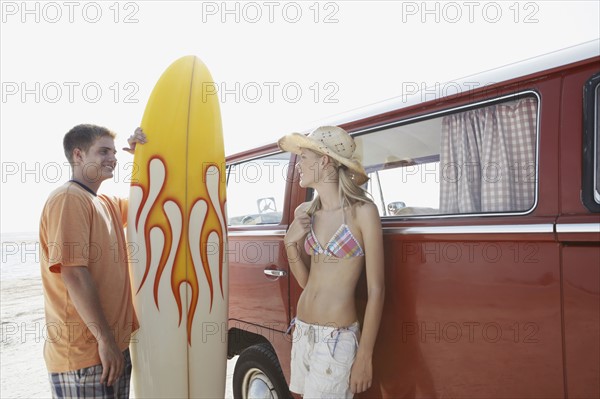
x,y
257,385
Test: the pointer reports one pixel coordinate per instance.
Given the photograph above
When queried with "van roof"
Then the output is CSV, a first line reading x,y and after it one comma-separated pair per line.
x,y
503,73
554,59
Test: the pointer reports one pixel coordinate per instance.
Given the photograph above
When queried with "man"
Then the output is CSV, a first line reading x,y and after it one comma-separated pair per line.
x,y
88,300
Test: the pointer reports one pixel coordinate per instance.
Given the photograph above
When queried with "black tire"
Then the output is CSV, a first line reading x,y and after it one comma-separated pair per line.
x,y
258,375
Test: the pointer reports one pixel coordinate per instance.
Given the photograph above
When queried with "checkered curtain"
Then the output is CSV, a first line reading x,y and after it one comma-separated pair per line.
x,y
487,159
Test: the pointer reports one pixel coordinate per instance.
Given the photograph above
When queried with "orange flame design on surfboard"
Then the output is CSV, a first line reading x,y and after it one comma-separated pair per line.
x,y
182,243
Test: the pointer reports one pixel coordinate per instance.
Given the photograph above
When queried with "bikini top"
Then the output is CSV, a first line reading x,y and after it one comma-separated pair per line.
x,y
341,245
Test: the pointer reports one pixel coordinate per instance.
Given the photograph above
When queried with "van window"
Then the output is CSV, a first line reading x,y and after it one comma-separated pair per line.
x,y
590,192
256,190
476,160
597,152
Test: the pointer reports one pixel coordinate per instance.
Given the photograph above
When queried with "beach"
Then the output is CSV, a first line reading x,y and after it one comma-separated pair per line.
x,y
22,335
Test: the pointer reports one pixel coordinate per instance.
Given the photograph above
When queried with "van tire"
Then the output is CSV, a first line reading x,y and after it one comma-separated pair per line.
x,y
258,375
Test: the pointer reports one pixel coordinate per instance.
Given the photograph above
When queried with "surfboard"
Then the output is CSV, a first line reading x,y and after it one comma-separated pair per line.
x,y
177,235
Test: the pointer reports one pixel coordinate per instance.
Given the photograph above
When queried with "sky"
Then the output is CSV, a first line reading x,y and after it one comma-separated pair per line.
x,y
279,67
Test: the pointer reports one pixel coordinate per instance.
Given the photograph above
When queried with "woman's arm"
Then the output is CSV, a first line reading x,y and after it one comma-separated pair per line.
x,y
370,224
293,244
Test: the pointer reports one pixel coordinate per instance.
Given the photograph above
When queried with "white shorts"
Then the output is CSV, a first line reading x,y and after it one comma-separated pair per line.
x,y
322,358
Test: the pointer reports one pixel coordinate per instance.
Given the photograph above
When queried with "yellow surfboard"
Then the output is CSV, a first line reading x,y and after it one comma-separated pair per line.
x,y
177,231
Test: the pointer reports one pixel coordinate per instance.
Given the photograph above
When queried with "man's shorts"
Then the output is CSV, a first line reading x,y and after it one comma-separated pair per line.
x,y
85,383
322,358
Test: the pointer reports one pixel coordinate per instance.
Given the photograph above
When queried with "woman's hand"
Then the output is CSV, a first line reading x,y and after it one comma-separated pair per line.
x,y
299,261
361,376
298,229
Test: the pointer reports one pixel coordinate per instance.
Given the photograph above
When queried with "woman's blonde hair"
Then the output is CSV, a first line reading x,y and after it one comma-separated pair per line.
x,y
350,193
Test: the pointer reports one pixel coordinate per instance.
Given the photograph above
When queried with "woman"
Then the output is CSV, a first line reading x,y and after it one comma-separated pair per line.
x,y
329,242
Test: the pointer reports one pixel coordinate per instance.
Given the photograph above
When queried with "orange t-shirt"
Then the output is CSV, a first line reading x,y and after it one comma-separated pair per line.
x,y
78,228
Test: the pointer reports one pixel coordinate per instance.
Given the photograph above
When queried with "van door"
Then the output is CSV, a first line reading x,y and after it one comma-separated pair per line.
x,y
257,221
578,230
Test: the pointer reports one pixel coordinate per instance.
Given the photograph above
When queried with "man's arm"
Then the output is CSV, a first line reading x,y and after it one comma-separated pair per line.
x,y
84,295
138,136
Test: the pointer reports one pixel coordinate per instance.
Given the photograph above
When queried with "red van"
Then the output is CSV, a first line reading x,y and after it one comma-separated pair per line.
x,y
489,194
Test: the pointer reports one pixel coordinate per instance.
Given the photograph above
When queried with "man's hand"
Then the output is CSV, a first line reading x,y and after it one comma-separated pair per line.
x,y
113,361
137,137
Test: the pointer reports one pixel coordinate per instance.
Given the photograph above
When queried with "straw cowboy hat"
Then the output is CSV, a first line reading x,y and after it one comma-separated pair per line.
x,y
332,141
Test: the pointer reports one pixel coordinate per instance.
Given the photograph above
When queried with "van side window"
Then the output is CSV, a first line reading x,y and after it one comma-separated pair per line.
x,y
590,194
478,160
597,152
256,190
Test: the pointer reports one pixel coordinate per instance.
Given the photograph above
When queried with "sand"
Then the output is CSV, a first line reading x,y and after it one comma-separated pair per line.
x,y
22,368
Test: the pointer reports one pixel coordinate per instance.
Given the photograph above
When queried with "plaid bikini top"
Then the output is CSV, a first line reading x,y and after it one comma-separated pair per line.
x,y
341,245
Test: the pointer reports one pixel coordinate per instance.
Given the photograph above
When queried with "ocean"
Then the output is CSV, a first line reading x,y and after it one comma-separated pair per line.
x,y
22,334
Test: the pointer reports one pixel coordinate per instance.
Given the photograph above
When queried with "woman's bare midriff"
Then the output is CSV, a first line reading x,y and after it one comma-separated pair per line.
x,y
328,297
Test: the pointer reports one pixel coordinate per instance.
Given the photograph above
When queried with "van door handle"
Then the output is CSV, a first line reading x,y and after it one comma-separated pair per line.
x,y
275,273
